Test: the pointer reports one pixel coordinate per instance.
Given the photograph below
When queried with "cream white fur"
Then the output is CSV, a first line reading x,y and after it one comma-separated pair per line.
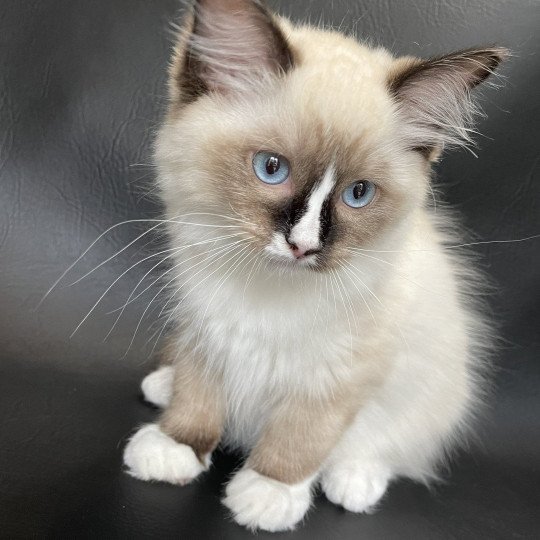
x,y
258,502
253,334
157,387
356,485
152,455
270,331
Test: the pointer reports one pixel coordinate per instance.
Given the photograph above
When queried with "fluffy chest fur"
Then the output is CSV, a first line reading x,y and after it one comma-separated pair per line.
x,y
279,333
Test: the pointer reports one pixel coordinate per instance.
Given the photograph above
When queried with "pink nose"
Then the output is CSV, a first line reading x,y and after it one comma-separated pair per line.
x,y
297,251
300,251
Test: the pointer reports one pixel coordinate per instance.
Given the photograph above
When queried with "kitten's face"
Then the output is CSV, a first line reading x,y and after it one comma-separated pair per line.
x,y
298,135
306,187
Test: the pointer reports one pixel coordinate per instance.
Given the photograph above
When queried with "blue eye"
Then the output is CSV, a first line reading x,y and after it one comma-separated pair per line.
x,y
359,194
271,168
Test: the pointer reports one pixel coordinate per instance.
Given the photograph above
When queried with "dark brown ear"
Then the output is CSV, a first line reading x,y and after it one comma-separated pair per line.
x,y
228,46
434,96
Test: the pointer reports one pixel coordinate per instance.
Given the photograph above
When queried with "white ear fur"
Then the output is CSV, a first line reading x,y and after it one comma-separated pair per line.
x,y
231,46
434,96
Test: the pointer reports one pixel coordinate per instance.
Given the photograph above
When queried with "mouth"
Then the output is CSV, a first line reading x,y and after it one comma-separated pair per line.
x,y
309,260
284,253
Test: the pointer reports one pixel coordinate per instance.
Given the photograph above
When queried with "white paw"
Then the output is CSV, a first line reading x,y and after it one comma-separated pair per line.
x,y
356,486
259,502
157,387
152,455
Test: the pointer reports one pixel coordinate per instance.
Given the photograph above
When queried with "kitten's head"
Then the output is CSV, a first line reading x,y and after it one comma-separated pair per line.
x,y
309,141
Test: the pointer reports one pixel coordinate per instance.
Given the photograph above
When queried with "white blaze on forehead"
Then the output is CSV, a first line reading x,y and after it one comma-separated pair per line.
x,y
305,234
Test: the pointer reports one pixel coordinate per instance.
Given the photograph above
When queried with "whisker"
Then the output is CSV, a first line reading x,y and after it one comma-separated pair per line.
x,y
218,288
359,291
456,246
254,269
85,252
131,300
183,248
327,302
346,313
113,284
334,296
192,289
350,302
145,233
222,253
319,282
213,258
400,274
158,223
357,252
379,301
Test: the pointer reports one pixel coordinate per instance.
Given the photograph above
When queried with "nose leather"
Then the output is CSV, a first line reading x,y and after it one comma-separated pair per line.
x,y
300,251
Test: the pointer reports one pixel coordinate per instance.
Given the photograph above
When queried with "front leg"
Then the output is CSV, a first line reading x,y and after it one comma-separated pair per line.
x,y
179,447
273,490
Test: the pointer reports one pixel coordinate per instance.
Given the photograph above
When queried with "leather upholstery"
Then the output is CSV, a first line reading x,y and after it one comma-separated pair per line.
x,y
82,86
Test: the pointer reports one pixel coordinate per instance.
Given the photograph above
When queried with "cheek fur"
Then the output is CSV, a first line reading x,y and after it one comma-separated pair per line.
x,y
361,228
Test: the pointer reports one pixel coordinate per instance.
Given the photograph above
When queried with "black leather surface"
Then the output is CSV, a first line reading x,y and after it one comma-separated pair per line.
x,y
81,89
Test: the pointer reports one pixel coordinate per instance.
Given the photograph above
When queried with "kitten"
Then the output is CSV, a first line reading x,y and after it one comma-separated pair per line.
x,y
319,323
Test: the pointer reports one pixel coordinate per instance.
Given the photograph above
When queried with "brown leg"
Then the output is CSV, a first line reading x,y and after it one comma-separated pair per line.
x,y
299,437
273,490
177,449
195,415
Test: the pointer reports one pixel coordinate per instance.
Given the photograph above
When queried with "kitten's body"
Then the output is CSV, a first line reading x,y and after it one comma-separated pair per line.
x,y
354,365
283,332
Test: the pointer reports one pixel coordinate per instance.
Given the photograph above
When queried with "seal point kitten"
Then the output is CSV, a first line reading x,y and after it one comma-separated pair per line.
x,y
317,320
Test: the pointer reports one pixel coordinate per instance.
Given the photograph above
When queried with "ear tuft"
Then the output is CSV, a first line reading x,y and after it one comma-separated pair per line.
x,y
434,96
228,46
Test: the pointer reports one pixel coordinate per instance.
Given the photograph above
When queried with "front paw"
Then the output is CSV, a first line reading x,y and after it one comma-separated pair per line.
x,y
157,387
357,487
259,502
152,455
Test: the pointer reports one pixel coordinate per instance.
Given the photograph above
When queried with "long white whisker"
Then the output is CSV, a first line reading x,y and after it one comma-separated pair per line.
x,y
130,300
378,300
319,282
242,248
145,233
223,252
183,248
158,222
400,274
371,257
72,265
114,283
213,258
359,291
346,314
218,288
456,246
327,302
350,302
254,268
334,296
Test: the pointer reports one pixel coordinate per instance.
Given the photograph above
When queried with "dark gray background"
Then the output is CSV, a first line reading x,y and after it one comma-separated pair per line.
x,y
81,91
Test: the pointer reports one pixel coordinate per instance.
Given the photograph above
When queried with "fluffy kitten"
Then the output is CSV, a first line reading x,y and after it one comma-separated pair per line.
x,y
318,321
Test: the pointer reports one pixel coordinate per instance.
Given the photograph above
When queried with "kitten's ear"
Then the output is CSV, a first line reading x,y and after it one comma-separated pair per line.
x,y
228,46
434,96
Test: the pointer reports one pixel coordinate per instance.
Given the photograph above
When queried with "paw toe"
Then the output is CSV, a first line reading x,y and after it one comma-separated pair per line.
x,y
356,487
157,387
259,502
152,455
